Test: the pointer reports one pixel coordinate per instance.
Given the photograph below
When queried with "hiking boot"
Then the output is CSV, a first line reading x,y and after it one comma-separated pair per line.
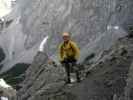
x,y
68,82
78,80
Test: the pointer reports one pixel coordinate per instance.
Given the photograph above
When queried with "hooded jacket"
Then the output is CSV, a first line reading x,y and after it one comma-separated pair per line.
x,y
68,50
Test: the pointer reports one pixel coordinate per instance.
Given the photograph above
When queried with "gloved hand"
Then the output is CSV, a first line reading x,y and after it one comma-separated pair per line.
x,y
64,61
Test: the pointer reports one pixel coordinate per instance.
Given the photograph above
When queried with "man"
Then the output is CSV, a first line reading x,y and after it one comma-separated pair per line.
x,y
2,97
69,54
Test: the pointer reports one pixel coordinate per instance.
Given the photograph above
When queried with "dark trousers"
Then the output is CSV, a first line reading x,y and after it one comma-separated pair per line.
x,y
70,66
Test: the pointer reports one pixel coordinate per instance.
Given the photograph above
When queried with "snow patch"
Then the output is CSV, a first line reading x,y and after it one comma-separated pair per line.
x,y
4,84
41,48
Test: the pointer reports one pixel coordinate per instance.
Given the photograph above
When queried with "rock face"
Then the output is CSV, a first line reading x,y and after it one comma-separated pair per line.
x,y
9,92
94,24
43,79
109,79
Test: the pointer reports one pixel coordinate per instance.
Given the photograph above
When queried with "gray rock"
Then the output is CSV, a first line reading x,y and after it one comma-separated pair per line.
x,y
42,78
95,25
109,79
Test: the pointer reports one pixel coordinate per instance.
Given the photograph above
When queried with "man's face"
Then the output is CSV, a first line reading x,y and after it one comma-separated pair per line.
x,y
66,38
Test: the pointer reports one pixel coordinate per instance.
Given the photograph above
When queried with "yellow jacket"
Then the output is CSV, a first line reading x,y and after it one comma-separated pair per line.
x,y
68,50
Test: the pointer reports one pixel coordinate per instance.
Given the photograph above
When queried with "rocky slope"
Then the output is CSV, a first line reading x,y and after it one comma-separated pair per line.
x,y
109,79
